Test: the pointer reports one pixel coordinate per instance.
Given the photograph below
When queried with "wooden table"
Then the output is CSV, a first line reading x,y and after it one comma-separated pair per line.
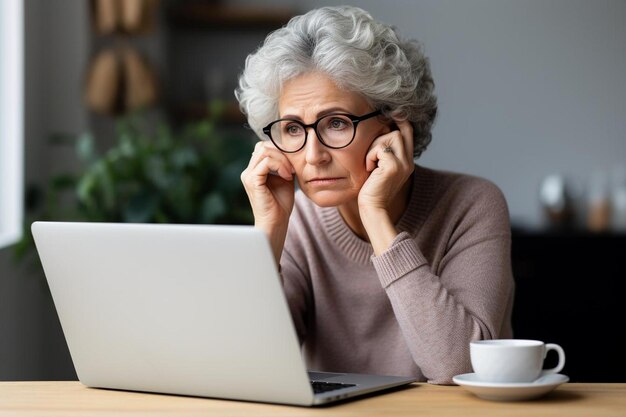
x,y
72,399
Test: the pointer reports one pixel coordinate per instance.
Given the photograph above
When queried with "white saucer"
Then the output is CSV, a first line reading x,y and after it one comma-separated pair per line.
x,y
510,391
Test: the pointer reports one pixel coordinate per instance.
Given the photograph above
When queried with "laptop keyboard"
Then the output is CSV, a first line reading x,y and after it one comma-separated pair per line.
x,y
320,387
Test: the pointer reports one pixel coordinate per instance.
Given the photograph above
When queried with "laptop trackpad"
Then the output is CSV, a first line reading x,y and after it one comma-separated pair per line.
x,y
320,376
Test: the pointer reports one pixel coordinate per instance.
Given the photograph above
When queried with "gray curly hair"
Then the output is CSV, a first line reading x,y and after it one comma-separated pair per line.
x,y
357,52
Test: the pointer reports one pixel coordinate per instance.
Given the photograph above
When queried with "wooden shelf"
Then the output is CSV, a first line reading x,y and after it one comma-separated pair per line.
x,y
199,19
206,15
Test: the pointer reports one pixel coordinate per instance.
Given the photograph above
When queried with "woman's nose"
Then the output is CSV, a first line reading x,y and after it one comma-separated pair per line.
x,y
316,152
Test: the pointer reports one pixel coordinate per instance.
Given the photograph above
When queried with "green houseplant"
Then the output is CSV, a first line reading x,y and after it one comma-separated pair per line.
x,y
153,174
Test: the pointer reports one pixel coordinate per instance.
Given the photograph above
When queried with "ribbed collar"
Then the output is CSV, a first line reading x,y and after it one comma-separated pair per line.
x,y
411,221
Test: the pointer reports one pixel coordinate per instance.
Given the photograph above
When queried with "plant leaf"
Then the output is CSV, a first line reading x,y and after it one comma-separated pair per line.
x,y
213,207
141,208
86,148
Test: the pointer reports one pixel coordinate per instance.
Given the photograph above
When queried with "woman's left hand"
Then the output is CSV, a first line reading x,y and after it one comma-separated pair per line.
x,y
390,161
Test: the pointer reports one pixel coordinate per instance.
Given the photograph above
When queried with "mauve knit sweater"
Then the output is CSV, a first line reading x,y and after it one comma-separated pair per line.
x,y
446,280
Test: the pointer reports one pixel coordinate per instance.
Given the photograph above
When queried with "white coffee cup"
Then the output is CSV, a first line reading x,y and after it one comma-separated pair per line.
x,y
512,360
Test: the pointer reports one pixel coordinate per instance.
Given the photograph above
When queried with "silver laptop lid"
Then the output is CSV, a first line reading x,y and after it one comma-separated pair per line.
x,y
151,308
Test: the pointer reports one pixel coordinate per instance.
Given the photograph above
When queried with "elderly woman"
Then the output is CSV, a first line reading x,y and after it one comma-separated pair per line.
x,y
388,267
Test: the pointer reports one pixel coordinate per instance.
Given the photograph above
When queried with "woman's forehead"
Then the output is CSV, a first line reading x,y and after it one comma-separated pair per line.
x,y
312,94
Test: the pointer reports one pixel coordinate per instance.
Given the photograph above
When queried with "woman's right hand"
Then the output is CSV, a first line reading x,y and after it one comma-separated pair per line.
x,y
269,182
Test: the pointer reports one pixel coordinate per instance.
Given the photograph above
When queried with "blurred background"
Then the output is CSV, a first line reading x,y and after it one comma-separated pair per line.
x,y
123,110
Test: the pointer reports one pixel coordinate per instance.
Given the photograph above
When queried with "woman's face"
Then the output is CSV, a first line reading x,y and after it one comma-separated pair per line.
x,y
329,177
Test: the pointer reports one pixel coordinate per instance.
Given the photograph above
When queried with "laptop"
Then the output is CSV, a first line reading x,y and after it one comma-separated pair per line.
x,y
183,309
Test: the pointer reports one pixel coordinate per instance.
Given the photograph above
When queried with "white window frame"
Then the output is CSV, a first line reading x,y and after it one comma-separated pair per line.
x,y
11,121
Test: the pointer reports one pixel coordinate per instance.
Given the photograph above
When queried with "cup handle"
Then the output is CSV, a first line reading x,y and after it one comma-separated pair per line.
x,y
561,364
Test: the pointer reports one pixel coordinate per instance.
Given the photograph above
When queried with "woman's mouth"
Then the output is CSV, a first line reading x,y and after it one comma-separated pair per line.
x,y
323,181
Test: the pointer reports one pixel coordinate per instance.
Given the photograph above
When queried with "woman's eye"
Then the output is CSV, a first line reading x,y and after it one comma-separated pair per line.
x,y
294,130
337,124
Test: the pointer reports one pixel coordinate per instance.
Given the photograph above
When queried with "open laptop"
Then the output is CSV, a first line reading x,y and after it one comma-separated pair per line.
x,y
181,309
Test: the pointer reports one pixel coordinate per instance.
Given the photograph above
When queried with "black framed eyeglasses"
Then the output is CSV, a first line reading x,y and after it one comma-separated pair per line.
x,y
336,131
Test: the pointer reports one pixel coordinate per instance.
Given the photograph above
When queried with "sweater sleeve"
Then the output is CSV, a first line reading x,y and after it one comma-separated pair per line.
x,y
467,298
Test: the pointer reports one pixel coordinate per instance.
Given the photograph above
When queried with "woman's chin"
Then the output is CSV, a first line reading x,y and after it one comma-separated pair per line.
x,y
329,198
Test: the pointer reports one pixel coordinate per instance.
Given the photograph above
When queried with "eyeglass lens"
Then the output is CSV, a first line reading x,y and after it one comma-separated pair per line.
x,y
334,130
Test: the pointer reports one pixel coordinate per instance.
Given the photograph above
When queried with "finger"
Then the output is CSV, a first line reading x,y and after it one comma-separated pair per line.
x,y
257,153
269,165
406,130
264,150
283,157
385,146
372,157
383,149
